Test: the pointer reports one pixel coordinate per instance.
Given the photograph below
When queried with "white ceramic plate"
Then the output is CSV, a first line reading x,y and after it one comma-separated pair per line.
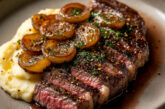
x,y
148,94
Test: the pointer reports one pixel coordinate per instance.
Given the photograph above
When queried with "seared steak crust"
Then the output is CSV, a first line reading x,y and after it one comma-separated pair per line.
x,y
132,48
98,73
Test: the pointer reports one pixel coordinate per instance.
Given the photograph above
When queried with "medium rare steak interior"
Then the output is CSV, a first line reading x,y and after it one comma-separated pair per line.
x,y
99,72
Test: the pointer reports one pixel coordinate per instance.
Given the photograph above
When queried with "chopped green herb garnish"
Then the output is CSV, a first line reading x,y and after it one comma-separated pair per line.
x,y
75,11
109,44
80,44
68,45
96,24
95,13
100,57
116,38
63,31
90,58
44,38
74,40
75,62
83,53
106,43
58,33
19,41
33,60
52,53
95,72
102,30
38,40
107,32
118,33
106,19
128,28
41,16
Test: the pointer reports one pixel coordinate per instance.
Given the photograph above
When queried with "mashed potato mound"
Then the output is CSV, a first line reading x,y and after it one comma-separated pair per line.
x,y
13,79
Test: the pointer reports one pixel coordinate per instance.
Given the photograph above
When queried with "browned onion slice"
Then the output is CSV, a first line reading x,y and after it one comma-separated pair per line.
x,y
75,12
33,63
87,35
39,19
58,30
59,52
110,19
32,42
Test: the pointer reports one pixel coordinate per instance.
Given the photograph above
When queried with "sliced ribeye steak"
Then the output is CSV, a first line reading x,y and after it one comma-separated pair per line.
x,y
97,74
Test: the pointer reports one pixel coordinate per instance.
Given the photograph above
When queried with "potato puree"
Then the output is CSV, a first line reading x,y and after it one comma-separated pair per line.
x,y
13,79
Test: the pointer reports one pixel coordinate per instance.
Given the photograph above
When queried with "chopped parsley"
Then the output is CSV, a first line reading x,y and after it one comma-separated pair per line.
x,y
128,28
84,53
19,41
109,44
100,57
80,44
44,38
75,62
105,18
74,40
41,16
34,59
117,38
63,31
96,24
52,53
75,12
95,72
90,58
58,33
107,32
95,13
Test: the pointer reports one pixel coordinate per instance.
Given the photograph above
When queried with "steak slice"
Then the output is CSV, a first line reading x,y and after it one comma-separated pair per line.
x,y
92,81
118,78
66,82
53,97
129,63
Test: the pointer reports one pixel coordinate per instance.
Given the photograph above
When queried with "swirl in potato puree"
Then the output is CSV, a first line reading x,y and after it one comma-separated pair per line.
x,y
14,80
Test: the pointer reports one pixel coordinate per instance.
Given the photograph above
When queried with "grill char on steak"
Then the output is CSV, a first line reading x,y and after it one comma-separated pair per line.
x,y
92,81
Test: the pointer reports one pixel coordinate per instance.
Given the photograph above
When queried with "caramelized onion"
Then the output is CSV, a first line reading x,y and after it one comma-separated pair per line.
x,y
110,19
59,52
33,63
75,12
58,30
32,42
39,19
87,35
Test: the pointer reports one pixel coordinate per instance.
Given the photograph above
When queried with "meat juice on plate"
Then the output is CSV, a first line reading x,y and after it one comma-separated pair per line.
x,y
130,97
